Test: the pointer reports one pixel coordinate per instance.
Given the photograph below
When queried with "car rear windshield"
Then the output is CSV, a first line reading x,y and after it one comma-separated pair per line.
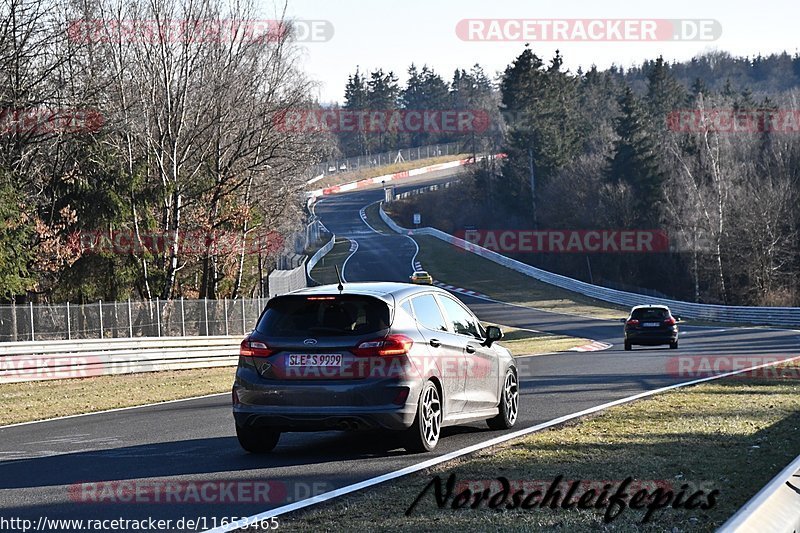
x,y
650,314
340,315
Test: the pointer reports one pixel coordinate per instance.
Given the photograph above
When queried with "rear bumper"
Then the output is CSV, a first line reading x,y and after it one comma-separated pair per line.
x,y
651,337
391,419
324,404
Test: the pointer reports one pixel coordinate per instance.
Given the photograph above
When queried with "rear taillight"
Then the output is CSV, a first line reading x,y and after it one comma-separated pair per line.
x,y
632,322
391,345
251,348
670,321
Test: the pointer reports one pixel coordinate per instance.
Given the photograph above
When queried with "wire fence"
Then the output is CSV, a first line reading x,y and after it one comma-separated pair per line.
x,y
129,319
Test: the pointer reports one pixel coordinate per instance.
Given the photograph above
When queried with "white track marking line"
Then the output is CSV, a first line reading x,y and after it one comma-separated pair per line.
x,y
113,410
363,214
416,253
353,250
469,449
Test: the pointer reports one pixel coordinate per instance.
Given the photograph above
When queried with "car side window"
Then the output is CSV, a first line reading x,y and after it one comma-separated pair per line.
x,y
427,312
462,321
406,306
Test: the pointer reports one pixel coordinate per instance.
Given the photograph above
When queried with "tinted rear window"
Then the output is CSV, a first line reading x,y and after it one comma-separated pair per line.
x,y
323,316
650,314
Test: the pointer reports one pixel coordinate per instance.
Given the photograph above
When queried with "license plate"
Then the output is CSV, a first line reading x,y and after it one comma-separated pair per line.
x,y
314,359
651,324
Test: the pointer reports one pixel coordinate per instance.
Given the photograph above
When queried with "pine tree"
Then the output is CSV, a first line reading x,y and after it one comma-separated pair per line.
x,y
541,107
634,160
355,99
382,95
664,94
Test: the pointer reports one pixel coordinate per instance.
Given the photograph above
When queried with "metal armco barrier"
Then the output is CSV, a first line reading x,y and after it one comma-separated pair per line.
x,y
320,254
37,361
774,316
776,507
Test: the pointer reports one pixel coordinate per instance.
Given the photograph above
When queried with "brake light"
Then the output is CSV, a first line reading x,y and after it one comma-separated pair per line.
x,y
250,348
632,322
670,321
391,345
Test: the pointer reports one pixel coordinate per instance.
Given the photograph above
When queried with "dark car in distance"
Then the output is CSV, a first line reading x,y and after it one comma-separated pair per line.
x,y
651,325
388,356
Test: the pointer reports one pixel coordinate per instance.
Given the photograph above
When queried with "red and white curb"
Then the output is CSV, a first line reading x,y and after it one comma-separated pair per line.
x,y
459,290
594,346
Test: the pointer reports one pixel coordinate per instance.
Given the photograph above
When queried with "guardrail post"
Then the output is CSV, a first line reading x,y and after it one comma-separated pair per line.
x,y
205,307
158,317
225,309
33,338
69,326
100,308
130,319
183,320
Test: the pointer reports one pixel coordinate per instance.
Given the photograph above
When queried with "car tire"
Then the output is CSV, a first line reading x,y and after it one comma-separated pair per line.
x,y
674,345
423,435
628,346
257,440
509,404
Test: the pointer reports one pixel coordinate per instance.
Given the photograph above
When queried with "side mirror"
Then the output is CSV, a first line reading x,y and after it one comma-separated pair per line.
x,y
623,320
678,319
493,333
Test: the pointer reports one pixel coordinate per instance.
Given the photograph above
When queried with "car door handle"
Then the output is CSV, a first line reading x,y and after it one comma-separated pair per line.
x,y
470,348
435,343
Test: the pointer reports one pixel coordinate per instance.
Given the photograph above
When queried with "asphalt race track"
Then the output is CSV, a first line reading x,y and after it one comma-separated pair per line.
x,y
52,469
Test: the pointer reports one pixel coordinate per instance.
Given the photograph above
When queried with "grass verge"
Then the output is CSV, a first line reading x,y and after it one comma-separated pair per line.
x,y
324,272
374,219
448,264
530,342
38,400
372,172
732,436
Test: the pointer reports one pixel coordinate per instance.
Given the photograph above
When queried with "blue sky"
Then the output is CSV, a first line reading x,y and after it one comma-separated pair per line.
x,y
392,35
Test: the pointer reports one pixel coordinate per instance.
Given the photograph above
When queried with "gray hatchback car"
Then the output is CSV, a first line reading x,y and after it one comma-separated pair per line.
x,y
391,356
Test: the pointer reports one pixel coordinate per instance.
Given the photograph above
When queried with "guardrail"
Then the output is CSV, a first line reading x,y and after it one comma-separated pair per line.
x,y
423,190
775,508
779,316
320,254
37,361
